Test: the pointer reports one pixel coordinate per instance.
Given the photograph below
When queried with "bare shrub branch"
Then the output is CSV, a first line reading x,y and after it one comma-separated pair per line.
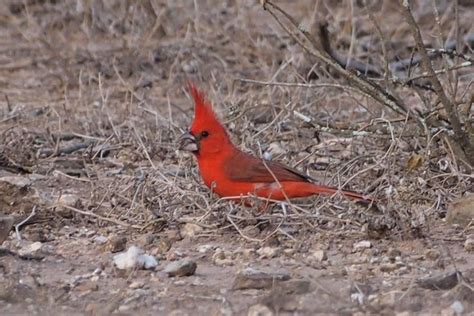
x,y
460,136
303,39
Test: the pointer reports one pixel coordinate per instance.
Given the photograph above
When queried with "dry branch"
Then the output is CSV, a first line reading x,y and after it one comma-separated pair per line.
x,y
304,40
460,136
323,52
46,152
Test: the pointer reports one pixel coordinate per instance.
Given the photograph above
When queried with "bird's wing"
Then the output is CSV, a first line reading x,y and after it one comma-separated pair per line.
x,y
242,167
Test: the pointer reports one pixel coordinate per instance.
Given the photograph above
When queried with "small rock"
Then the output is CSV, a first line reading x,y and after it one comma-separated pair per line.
x,y
163,246
361,245
440,282
468,244
184,267
318,256
222,258
190,67
179,312
100,239
374,260
389,267
174,255
256,279
268,252
190,230
180,282
64,212
6,224
147,261
35,246
134,257
147,239
97,272
447,312
127,260
17,181
248,253
136,285
373,298
124,308
457,307
461,211
432,254
31,249
85,232
174,235
259,310
87,286
399,261
205,248
293,287
116,243
93,308
358,298
68,199
417,257
29,281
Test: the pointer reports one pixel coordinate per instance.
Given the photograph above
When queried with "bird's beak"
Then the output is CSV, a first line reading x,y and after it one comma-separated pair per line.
x,y
188,142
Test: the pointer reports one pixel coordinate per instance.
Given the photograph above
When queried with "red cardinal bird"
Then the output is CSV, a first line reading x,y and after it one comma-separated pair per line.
x,y
230,172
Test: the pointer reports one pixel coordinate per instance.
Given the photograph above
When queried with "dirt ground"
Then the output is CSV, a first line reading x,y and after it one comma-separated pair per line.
x,y
92,100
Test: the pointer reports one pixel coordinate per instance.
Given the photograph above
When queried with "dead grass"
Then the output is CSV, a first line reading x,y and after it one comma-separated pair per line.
x,y
113,81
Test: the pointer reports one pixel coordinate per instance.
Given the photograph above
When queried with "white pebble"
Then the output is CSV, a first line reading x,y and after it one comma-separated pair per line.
x,y
361,245
134,257
147,261
457,307
100,239
205,248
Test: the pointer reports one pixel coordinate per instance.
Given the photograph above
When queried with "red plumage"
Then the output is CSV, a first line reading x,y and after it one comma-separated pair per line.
x,y
231,172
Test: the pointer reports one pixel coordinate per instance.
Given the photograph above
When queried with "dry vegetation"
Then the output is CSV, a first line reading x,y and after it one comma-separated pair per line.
x,y
93,100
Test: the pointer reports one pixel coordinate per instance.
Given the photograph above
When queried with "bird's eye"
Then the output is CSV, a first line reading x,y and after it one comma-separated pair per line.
x,y
204,134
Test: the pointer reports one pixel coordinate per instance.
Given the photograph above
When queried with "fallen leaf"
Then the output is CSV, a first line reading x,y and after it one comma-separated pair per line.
x,y
414,162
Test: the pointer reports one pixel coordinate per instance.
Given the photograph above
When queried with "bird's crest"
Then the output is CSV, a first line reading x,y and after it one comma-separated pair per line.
x,y
204,116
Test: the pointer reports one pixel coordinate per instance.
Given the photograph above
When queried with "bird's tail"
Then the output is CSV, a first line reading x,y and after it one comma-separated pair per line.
x,y
322,189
